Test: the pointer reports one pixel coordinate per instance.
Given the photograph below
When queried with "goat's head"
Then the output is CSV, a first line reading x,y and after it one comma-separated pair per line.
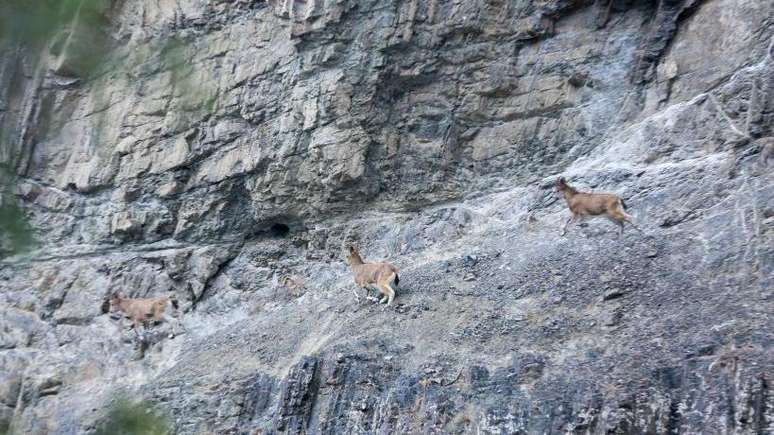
x,y
114,302
353,255
287,280
561,184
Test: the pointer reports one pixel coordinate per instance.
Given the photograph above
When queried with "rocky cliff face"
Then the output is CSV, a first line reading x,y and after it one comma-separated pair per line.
x,y
207,148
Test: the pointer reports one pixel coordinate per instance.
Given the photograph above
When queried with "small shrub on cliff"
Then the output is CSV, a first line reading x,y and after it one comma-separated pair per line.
x,y
133,418
15,234
15,231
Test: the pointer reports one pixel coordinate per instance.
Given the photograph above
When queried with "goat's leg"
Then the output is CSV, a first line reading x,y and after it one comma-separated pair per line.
x,y
575,218
172,330
628,218
564,228
383,289
390,295
617,216
140,334
393,285
368,296
174,324
617,219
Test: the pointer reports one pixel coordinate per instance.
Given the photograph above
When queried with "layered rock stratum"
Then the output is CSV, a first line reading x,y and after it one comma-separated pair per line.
x,y
205,149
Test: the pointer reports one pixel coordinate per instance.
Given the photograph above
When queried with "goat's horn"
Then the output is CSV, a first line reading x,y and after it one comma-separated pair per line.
x,y
345,238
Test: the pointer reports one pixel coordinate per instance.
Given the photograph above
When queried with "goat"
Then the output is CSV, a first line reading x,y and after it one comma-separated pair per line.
x,y
379,274
142,311
295,284
583,204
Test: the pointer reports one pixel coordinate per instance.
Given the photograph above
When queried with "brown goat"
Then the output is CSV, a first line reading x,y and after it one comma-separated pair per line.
x,y
295,284
379,274
142,311
583,204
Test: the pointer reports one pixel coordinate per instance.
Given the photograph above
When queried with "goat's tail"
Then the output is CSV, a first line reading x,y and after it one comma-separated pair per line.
x,y
397,280
623,203
174,302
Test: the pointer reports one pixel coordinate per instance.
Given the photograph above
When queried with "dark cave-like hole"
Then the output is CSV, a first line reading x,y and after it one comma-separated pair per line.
x,y
279,230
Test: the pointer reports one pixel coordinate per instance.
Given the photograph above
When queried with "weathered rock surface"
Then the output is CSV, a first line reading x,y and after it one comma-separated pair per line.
x,y
220,145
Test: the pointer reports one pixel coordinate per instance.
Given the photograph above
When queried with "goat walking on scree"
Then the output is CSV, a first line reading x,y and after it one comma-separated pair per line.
x,y
379,274
583,204
143,311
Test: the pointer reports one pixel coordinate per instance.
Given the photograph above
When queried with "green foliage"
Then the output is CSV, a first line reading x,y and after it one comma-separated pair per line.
x,y
15,231
126,417
75,33
35,21
72,28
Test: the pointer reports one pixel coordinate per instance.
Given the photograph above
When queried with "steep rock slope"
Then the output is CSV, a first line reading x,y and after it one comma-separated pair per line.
x,y
216,146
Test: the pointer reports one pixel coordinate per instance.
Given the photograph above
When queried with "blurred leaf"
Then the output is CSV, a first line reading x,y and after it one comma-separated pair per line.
x,y
15,231
133,418
72,29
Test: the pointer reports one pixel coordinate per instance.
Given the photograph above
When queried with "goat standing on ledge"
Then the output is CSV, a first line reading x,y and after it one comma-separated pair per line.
x,y
379,274
142,311
294,284
593,204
